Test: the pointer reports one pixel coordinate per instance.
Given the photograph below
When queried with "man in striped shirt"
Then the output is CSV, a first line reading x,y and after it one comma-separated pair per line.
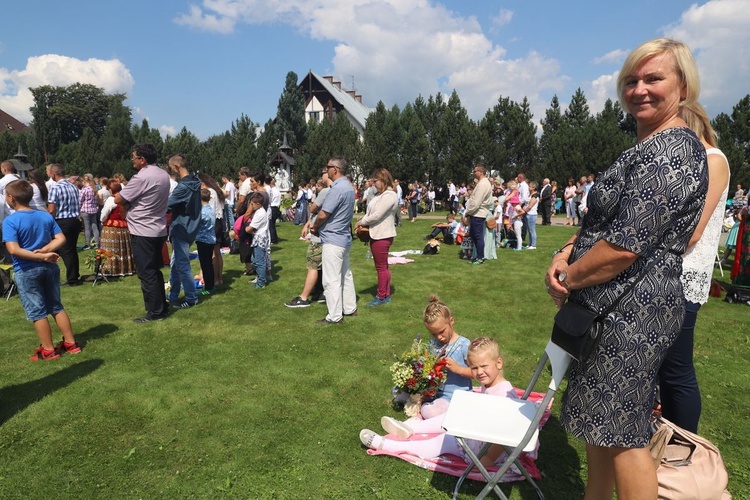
x,y
63,202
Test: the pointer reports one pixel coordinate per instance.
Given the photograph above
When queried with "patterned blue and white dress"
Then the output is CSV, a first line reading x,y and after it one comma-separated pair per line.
x,y
650,198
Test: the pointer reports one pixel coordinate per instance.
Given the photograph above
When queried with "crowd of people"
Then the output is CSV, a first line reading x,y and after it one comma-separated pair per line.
x,y
662,200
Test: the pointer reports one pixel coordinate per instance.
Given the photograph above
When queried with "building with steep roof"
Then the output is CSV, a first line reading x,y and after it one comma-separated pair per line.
x,y
10,124
324,99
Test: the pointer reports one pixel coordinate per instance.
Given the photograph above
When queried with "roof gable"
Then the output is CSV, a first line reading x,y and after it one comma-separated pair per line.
x,y
9,123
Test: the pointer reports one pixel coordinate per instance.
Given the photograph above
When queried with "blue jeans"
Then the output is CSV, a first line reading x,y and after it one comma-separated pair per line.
x,y
90,228
259,261
181,273
531,221
39,288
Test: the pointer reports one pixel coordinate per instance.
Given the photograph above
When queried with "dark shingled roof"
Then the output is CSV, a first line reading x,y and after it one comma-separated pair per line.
x,y
7,122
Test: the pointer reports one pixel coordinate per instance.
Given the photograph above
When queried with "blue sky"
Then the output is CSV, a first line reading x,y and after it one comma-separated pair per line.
x,y
202,64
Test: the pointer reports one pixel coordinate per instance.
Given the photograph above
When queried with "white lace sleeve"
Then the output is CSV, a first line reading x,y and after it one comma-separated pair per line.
x,y
698,262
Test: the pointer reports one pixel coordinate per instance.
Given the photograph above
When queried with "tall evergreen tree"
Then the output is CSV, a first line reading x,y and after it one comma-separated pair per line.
x,y
414,146
116,142
290,114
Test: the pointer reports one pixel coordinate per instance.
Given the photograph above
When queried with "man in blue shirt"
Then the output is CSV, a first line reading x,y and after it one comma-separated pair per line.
x,y
333,224
63,203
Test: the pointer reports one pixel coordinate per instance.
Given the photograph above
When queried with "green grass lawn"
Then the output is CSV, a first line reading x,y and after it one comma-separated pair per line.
x,y
243,397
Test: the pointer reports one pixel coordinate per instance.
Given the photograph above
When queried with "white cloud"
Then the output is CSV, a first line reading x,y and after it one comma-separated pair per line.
x,y
57,70
718,35
615,56
206,22
166,130
600,90
503,17
398,49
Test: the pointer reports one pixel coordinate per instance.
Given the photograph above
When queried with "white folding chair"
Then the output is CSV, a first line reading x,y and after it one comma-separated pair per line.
x,y
511,423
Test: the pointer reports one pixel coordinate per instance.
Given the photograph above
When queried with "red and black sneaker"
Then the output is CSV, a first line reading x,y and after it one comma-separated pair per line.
x,y
64,347
41,353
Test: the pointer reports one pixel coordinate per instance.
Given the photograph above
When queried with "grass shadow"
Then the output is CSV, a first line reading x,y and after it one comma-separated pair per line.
x,y
560,470
96,332
561,467
17,397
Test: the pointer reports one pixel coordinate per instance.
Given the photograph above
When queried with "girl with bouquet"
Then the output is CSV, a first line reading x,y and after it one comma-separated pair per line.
x,y
486,366
452,348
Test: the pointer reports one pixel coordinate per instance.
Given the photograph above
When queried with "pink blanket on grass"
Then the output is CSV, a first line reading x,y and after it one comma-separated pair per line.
x,y
455,465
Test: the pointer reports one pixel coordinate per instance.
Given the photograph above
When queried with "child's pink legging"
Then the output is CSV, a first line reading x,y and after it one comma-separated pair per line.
x,y
435,408
425,448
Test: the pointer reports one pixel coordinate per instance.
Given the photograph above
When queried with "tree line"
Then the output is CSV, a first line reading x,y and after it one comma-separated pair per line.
x,y
429,139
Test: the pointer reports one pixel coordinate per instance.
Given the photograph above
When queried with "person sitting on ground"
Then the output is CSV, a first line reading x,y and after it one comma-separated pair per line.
x,y
486,366
31,238
448,229
453,347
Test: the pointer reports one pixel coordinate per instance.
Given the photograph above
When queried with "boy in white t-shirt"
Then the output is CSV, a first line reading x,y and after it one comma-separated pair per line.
x,y
261,244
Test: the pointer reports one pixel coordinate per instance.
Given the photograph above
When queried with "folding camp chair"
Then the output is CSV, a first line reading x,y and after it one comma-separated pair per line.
x,y
511,423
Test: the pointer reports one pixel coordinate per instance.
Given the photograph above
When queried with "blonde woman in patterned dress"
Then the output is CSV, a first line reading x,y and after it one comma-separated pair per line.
x,y
641,211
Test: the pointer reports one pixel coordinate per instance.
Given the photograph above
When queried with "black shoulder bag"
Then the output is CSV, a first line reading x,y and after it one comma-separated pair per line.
x,y
577,329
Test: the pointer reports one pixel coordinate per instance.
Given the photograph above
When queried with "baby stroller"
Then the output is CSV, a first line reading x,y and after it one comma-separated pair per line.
x,y
506,237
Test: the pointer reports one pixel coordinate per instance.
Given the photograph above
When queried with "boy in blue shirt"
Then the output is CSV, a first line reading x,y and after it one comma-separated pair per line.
x,y
205,241
31,238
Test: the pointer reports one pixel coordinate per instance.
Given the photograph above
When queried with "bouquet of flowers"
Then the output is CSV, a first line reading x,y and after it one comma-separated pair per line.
x,y
419,372
96,258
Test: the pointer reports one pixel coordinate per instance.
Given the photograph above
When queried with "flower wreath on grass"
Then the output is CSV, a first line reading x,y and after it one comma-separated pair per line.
x,y
418,372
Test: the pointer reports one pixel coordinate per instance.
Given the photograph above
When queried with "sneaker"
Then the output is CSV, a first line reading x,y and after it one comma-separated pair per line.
x,y
395,427
298,302
254,280
321,299
42,354
326,321
85,247
353,313
184,304
205,292
530,248
478,262
64,347
377,301
147,319
259,286
367,437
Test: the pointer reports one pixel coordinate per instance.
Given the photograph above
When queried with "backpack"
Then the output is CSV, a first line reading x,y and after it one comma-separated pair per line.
x,y
432,247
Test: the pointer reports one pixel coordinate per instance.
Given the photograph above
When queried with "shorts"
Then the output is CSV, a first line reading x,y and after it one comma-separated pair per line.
x,y
315,256
39,288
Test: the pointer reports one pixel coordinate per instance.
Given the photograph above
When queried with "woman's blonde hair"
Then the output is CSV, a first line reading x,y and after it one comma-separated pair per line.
x,y
435,309
484,345
687,71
